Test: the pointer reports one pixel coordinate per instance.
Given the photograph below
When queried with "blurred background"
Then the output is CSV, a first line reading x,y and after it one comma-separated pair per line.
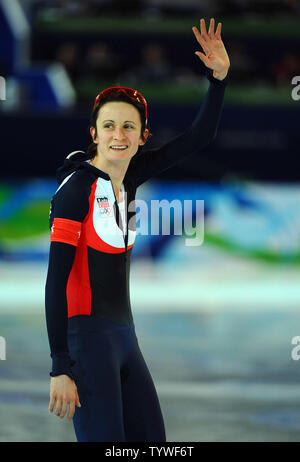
x,y
215,322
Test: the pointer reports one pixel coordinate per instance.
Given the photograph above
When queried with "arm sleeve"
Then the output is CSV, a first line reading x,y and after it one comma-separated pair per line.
x,y
70,206
202,131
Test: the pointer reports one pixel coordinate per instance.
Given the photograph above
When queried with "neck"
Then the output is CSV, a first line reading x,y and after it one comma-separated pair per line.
x,y
116,170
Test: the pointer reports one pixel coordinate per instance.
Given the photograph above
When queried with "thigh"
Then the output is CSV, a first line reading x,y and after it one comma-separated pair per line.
x,y
97,371
143,419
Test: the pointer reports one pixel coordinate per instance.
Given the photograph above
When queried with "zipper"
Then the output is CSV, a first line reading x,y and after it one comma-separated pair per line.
x,y
125,237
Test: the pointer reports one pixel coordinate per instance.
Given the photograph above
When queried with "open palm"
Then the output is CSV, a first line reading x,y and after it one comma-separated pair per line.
x,y
215,55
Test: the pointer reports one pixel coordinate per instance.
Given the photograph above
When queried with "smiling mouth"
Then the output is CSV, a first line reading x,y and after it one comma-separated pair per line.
x,y
115,148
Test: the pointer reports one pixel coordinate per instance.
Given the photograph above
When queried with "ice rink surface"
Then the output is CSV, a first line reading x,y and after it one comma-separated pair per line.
x,y
217,341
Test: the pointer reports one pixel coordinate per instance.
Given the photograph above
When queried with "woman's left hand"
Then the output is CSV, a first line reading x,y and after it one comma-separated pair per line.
x,y
215,57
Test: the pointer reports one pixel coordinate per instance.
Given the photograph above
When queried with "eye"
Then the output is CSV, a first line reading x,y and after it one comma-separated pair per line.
x,y
109,125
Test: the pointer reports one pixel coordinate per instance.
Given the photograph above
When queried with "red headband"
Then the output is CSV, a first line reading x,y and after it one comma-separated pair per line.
x,y
128,91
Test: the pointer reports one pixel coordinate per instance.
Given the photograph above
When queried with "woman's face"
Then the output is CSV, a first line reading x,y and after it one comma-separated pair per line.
x,y
118,124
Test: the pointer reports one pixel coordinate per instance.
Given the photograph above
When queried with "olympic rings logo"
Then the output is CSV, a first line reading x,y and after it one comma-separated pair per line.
x,y
105,211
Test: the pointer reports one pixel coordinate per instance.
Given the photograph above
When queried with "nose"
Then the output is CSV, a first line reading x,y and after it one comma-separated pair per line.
x,y
118,133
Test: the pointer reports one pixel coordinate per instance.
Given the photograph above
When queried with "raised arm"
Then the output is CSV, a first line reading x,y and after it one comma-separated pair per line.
x,y
148,164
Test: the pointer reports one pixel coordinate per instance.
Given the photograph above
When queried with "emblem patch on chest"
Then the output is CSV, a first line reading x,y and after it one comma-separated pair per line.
x,y
104,206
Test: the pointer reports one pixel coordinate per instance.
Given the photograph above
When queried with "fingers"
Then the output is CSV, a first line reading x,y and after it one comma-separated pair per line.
x,y
203,58
77,402
62,406
71,410
201,40
58,407
63,391
73,403
51,403
218,31
211,28
203,28
210,35
63,409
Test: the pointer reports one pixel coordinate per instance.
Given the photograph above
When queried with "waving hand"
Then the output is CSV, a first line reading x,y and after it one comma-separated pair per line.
x,y
215,55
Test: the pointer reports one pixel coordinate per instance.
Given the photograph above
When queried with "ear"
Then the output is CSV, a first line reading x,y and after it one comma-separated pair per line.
x,y
93,132
146,134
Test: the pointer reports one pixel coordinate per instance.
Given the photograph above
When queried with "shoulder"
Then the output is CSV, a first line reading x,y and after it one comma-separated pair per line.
x,y
71,199
76,183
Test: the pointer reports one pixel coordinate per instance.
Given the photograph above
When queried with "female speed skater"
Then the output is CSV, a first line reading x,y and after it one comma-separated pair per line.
x,y
99,376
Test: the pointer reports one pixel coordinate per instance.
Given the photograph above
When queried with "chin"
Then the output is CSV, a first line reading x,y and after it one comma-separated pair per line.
x,y
122,155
